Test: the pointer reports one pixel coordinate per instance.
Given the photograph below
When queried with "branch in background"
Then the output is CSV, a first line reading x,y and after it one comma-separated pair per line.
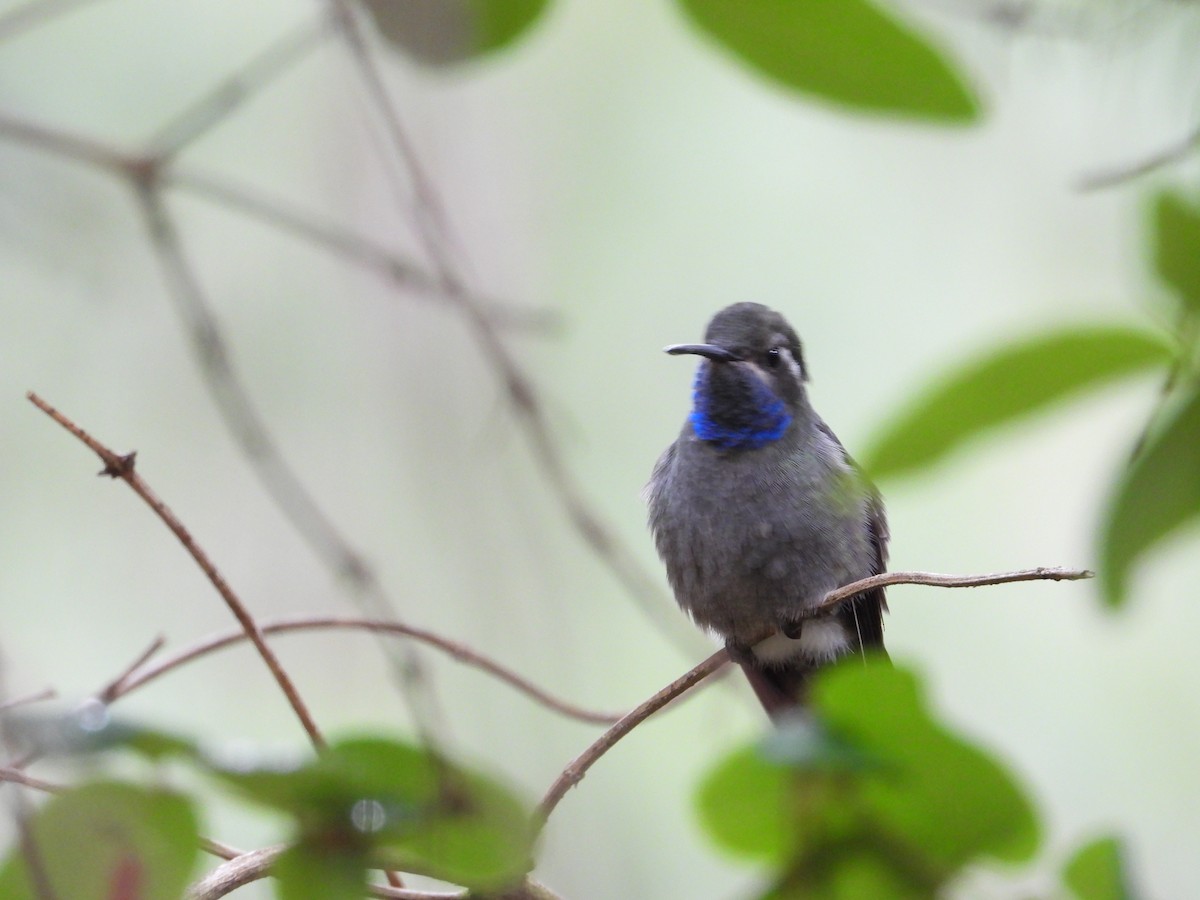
x,y
522,395
288,491
35,13
359,249
116,686
1164,157
231,92
137,679
25,700
122,467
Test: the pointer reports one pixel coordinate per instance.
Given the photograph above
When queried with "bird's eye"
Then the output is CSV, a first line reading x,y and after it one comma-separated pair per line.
x,y
774,358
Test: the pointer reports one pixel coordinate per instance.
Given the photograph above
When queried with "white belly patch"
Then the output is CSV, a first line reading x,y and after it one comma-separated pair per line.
x,y
820,641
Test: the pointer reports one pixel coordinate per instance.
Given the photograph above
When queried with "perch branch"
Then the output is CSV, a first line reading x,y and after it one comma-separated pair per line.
x,y
579,766
933,579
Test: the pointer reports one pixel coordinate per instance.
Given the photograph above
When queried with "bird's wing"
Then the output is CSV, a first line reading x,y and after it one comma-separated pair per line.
x,y
863,614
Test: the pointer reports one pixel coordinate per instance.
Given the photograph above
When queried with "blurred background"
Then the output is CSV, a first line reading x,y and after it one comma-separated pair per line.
x,y
613,179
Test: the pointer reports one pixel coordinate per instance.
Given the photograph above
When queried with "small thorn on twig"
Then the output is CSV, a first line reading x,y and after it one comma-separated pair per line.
x,y
120,466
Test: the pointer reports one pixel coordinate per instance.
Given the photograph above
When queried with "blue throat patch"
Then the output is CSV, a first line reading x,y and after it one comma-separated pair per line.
x,y
760,420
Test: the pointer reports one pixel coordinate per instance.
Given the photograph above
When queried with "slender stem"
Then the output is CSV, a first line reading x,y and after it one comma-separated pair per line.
x,y
1163,157
434,234
933,579
457,650
579,766
220,101
122,467
36,697
113,689
33,13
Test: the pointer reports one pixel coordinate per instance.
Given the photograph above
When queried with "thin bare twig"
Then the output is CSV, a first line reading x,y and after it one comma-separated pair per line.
x,y
61,143
579,766
14,775
313,623
254,865
404,273
932,579
356,248
1164,157
36,697
232,91
114,688
34,13
122,467
288,491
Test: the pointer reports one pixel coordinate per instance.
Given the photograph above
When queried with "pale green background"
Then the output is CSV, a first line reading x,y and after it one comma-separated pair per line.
x,y
619,171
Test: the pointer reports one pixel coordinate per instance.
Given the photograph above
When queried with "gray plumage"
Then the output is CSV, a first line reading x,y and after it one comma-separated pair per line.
x,y
757,511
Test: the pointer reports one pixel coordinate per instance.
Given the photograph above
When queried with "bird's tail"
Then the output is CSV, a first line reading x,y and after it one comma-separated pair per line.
x,y
780,689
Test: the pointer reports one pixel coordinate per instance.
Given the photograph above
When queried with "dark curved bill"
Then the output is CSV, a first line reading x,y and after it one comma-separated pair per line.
x,y
708,351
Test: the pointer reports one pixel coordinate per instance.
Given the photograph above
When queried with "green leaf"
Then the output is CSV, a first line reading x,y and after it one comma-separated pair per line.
x,y
309,870
406,808
876,799
803,744
90,729
1013,381
1176,244
948,799
442,32
845,51
742,805
1096,871
108,840
1158,495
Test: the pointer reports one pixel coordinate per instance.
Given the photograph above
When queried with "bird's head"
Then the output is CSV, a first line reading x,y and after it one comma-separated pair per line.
x,y
751,385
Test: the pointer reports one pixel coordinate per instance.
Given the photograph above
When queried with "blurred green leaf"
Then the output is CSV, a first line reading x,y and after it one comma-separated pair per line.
x,y
845,51
442,32
802,743
1159,494
108,840
743,806
309,870
852,876
948,799
1012,382
1176,240
91,729
874,799
1096,871
407,808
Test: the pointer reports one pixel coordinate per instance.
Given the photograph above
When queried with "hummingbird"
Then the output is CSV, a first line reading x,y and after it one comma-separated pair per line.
x,y
758,512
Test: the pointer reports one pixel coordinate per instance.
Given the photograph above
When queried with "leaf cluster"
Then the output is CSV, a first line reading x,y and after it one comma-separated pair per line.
x,y
870,795
362,803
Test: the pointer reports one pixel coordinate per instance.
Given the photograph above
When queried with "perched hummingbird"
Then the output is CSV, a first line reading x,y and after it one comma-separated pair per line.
x,y
758,512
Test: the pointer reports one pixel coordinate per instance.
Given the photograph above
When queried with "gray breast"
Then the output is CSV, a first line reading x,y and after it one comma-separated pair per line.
x,y
754,539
